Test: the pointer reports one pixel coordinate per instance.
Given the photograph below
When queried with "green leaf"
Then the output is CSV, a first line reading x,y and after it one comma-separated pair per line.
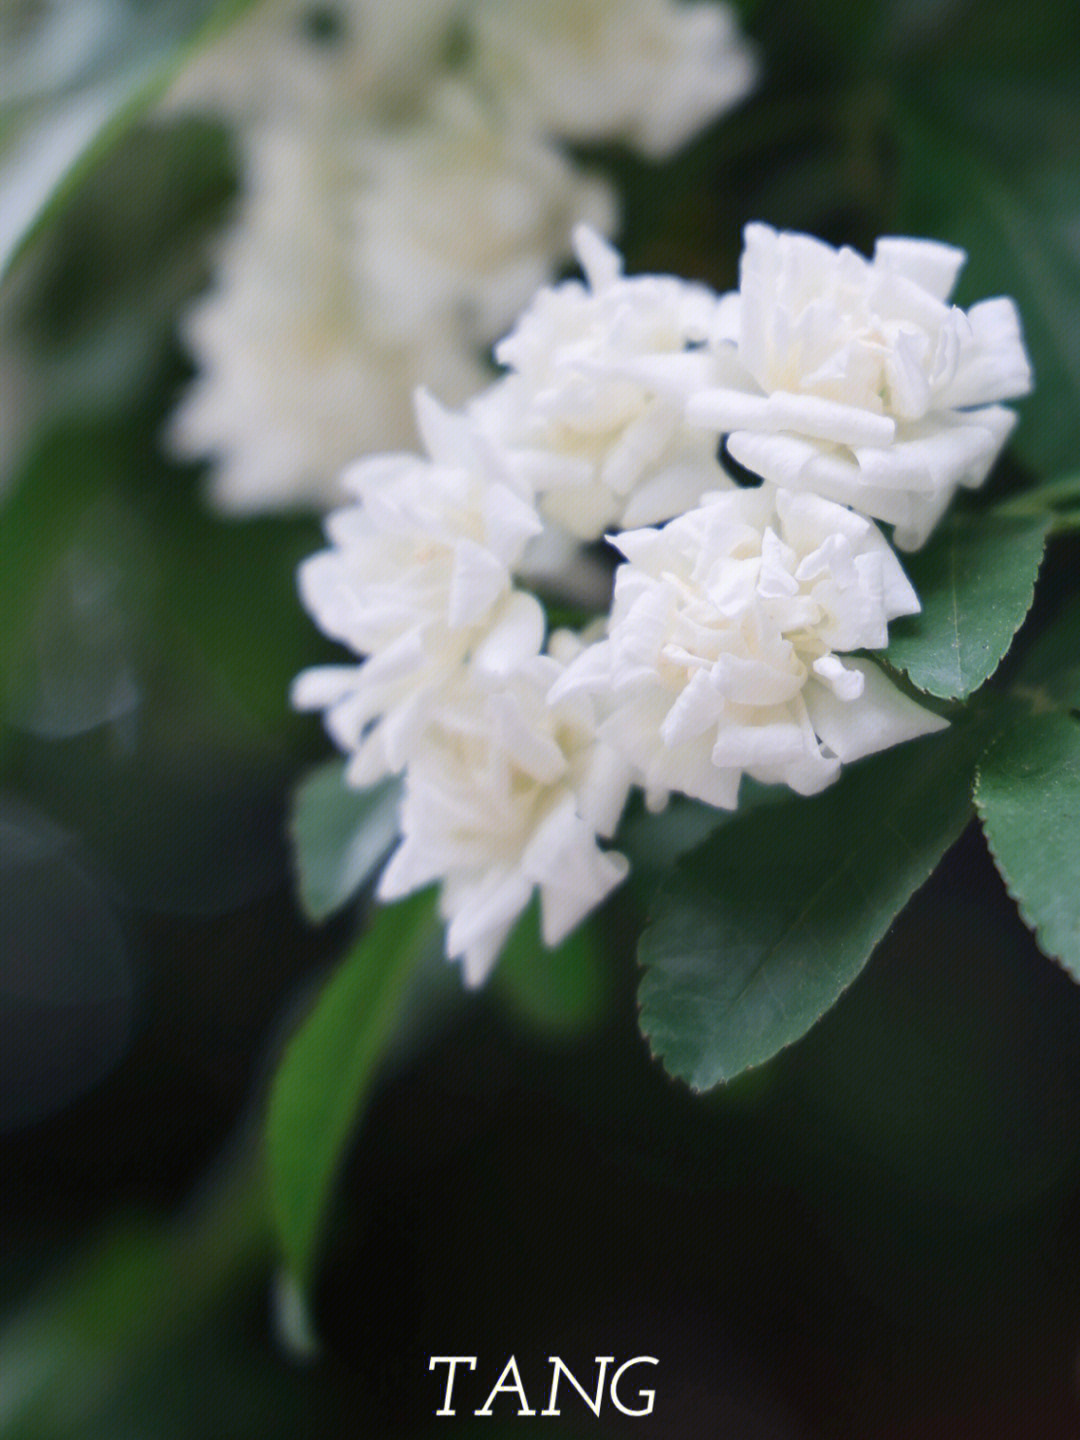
x,y
339,836
329,1067
653,841
1028,797
560,991
1057,497
761,929
113,564
52,138
976,581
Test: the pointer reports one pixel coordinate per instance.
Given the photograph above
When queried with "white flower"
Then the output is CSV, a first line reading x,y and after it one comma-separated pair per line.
x,y
356,270
461,219
592,413
289,61
855,379
418,582
649,72
509,793
295,378
721,658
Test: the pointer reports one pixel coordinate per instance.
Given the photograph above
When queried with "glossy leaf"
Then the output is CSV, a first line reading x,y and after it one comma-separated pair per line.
x,y
976,580
320,1088
760,930
1028,798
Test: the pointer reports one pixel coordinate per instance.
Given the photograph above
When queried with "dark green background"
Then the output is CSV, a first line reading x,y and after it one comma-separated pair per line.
x,y
875,1235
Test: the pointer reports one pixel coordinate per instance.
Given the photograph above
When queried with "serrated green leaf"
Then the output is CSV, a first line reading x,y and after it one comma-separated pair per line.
x,y
976,580
320,1088
339,836
1028,797
762,928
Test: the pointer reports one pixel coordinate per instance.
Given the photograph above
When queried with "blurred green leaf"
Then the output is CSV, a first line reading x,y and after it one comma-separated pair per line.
x,y
1058,498
105,545
761,929
1028,797
976,581
52,138
559,991
339,836
979,170
328,1070
228,603
146,653
75,604
93,312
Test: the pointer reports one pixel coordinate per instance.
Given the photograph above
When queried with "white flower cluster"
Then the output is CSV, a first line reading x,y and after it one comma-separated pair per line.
x,y
405,191
734,643
504,790
856,378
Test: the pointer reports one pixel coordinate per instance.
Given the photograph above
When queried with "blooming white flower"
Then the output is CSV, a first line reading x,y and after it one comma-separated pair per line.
x,y
418,581
592,412
460,220
722,650
507,794
855,379
295,378
649,72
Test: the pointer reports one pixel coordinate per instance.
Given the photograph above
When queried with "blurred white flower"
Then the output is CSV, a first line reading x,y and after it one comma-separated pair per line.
x,y
419,583
295,378
507,794
648,72
721,658
856,380
460,220
289,61
398,209
592,412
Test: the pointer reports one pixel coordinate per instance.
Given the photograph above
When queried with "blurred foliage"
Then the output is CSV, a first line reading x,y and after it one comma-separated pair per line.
x,y
75,78
309,1120
875,1233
